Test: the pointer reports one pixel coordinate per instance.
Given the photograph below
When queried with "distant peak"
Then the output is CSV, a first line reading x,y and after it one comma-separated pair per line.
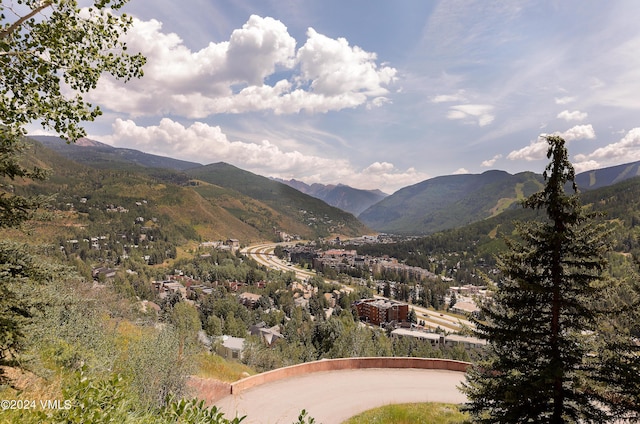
x,y
84,142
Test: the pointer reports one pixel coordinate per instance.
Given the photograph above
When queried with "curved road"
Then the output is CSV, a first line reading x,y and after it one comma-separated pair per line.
x,y
334,396
263,254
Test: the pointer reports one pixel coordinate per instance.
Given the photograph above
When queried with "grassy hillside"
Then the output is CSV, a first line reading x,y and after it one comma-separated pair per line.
x,y
90,198
316,216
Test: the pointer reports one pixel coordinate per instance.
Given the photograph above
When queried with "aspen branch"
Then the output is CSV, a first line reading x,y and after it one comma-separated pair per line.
x,y
8,31
17,53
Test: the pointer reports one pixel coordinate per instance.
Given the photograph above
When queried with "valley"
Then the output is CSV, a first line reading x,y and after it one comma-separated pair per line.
x,y
341,205
223,255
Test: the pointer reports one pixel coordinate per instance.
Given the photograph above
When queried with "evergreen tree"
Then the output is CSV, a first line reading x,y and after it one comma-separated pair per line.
x,y
544,362
413,317
23,273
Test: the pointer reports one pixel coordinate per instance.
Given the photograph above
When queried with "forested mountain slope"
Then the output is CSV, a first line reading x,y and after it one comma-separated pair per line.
x,y
456,200
313,213
449,201
195,210
472,249
597,178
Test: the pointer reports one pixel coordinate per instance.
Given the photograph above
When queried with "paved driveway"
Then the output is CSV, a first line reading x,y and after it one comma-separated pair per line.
x,y
333,396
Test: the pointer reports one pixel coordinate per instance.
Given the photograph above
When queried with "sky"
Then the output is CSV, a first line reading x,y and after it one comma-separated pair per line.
x,y
379,94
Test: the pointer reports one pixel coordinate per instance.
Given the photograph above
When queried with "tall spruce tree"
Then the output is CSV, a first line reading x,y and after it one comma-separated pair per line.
x,y
550,359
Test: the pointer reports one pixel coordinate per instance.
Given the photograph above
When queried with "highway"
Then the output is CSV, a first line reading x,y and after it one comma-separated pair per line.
x,y
441,319
263,254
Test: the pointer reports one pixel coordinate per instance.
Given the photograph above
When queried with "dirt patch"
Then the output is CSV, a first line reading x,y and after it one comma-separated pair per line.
x,y
208,389
20,379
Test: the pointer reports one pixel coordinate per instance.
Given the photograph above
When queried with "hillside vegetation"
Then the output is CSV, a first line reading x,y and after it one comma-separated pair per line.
x,y
94,337
468,253
213,202
314,214
454,201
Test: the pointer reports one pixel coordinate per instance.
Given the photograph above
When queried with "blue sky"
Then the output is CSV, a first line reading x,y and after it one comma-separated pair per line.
x,y
379,94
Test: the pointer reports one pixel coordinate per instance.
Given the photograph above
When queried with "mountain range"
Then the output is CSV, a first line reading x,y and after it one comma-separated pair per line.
x,y
215,201
456,200
100,155
427,207
449,201
341,196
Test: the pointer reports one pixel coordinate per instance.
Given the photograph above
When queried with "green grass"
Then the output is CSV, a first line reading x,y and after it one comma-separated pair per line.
x,y
214,366
410,413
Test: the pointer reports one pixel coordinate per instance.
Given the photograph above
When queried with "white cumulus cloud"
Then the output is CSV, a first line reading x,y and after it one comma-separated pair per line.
x,y
579,132
334,67
623,151
235,76
378,168
575,115
534,151
537,149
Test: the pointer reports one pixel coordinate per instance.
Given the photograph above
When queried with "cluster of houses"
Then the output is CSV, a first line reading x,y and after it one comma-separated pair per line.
x,y
188,288
229,244
170,286
117,209
342,261
302,292
437,339
374,311
467,297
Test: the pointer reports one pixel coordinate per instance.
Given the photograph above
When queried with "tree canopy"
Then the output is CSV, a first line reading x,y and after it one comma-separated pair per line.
x,y
51,53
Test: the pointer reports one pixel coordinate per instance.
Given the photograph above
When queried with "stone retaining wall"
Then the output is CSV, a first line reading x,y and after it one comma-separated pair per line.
x,y
208,389
347,364
211,390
